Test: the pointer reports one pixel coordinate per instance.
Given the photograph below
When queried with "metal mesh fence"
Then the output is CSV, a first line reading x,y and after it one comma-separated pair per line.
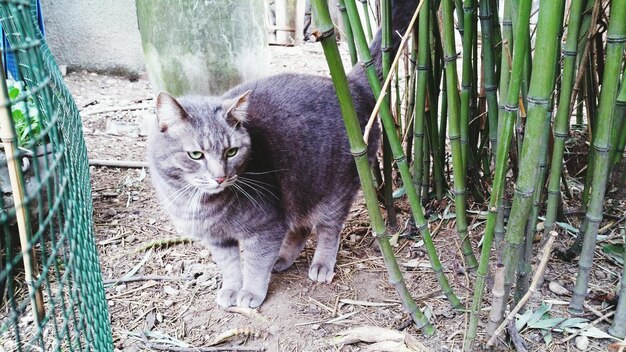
x,y
51,292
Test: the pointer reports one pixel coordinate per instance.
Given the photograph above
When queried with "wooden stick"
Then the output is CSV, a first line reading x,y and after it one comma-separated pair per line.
x,y
118,109
9,141
146,278
383,91
547,250
119,163
162,347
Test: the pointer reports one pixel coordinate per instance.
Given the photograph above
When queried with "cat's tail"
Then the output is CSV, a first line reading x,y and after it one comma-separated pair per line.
x,y
401,14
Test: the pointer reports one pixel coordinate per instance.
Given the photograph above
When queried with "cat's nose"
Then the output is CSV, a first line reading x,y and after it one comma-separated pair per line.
x,y
220,179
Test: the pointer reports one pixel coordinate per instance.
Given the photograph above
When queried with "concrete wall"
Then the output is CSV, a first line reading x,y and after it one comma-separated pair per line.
x,y
95,35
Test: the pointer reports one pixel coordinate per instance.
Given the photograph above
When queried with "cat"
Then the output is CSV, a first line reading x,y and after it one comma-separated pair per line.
x,y
254,172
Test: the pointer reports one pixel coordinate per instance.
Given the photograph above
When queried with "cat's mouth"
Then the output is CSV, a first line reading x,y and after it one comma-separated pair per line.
x,y
212,186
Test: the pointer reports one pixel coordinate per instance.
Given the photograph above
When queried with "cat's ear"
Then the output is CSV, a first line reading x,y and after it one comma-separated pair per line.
x,y
237,109
168,111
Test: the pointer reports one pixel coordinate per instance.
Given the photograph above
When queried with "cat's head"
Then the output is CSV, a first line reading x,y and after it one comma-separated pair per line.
x,y
200,142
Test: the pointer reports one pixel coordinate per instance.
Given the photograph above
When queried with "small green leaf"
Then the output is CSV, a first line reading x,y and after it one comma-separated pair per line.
x,y
399,193
521,320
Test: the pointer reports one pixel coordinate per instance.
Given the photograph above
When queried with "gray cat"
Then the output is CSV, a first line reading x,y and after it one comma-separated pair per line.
x,y
253,173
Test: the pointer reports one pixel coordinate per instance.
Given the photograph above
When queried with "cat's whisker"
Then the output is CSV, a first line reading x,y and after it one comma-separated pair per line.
x,y
247,195
178,194
262,173
253,185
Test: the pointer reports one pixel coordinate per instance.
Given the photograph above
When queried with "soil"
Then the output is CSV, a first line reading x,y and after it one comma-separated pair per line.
x,y
172,303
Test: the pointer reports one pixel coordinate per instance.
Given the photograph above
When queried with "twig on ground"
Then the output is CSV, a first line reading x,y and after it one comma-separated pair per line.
x,y
119,163
516,338
533,287
117,109
165,242
146,278
161,347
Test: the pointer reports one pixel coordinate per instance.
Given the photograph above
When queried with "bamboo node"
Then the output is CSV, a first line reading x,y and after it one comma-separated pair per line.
x,y
617,40
400,159
559,134
448,59
525,194
319,36
419,134
341,8
511,108
423,67
359,153
570,53
602,149
537,101
484,17
490,88
593,219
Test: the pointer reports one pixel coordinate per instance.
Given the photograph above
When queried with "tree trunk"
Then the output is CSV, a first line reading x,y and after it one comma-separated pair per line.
x,y
202,47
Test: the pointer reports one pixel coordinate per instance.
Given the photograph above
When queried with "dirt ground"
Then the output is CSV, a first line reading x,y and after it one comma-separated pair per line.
x,y
173,302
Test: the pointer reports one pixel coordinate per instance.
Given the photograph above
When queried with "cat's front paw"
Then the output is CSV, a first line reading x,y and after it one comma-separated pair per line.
x,y
247,299
282,264
226,298
321,273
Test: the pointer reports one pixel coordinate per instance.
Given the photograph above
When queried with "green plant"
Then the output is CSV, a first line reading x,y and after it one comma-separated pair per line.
x,y
26,116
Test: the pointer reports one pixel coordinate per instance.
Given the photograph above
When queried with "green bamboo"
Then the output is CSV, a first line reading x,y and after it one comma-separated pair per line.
x,y
541,86
421,84
505,64
454,134
525,267
488,66
392,221
616,36
389,128
510,106
618,329
426,175
466,78
368,22
348,32
618,136
358,148
561,121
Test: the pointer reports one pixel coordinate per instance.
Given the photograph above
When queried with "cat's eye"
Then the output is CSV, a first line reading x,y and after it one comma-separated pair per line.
x,y
231,152
195,155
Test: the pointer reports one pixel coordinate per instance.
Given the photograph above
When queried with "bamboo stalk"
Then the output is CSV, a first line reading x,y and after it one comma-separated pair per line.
x,y
358,149
348,32
561,121
368,21
389,128
616,36
547,250
542,82
619,126
488,66
509,106
9,142
618,328
466,78
386,43
454,135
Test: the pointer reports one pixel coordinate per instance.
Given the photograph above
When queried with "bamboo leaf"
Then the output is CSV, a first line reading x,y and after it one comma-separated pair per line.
x,y
523,319
614,251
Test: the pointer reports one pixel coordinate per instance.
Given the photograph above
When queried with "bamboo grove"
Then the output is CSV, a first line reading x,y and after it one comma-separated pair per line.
x,y
479,107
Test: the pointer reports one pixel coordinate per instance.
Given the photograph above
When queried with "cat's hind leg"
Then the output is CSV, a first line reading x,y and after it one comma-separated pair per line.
x,y
291,248
323,264
226,255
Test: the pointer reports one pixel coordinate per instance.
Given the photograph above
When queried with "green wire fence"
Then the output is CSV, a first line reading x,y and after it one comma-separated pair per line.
x,y
51,291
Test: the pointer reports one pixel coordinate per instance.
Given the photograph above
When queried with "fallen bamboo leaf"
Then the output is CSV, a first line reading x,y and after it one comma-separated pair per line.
x,y
383,339
245,331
